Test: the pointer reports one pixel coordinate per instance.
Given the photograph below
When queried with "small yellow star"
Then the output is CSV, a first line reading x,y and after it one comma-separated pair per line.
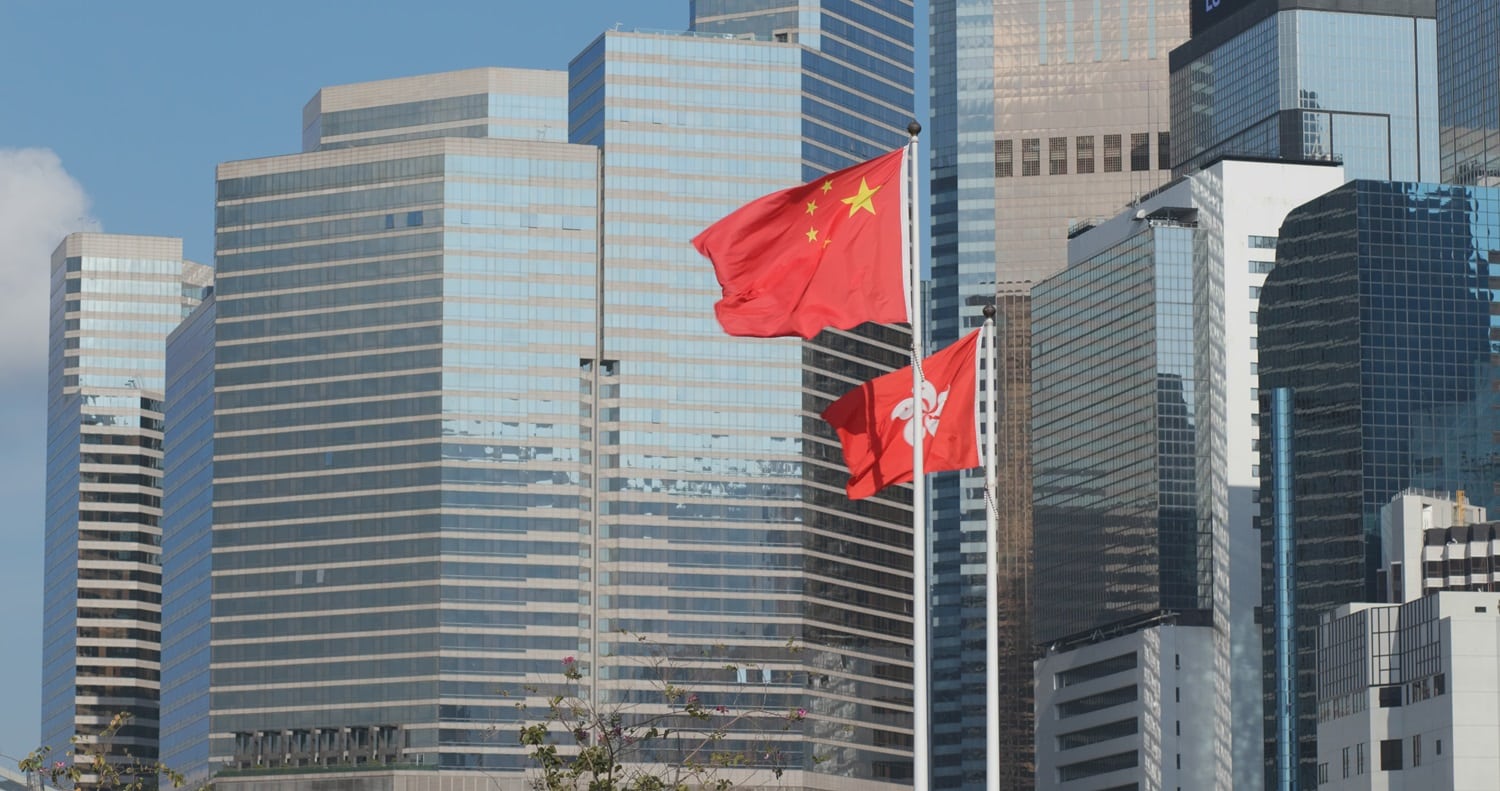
x,y
812,234
827,242
827,185
812,206
862,199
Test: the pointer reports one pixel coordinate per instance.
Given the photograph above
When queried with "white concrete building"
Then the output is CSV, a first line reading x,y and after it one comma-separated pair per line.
x,y
1409,696
1124,710
1409,692
1434,541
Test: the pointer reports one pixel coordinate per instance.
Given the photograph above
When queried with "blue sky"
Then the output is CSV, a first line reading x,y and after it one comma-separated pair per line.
x,y
113,117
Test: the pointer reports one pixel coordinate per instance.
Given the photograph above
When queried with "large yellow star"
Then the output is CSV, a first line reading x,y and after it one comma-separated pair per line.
x,y
862,199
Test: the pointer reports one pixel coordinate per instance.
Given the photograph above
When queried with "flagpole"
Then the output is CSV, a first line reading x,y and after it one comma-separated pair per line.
x,y
920,622
991,560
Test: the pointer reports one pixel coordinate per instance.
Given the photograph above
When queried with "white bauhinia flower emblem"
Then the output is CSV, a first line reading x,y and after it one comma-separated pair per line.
x,y
932,409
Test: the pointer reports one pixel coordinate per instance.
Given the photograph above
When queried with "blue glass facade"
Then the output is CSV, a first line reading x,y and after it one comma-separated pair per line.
x,y
1380,320
1311,80
187,545
1469,91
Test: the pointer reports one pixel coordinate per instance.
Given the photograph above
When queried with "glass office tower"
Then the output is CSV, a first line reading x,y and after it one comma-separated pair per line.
x,y
1378,372
1145,481
113,300
474,416
1119,538
1046,115
1310,79
1469,91
187,545
402,333
784,554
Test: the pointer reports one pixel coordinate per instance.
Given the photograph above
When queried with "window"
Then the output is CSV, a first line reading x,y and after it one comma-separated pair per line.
x,y
1416,750
1085,146
1057,156
1255,292
1098,766
1163,150
1098,733
1254,319
1390,697
1359,758
1261,267
1112,154
1390,755
1437,746
1323,774
1263,242
1004,159
1140,151
1031,156
1095,670
1346,762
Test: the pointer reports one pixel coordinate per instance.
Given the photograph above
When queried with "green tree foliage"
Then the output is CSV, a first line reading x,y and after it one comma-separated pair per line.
x,y
94,769
580,745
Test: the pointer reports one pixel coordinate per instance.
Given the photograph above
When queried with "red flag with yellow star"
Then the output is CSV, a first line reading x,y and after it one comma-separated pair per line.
x,y
832,253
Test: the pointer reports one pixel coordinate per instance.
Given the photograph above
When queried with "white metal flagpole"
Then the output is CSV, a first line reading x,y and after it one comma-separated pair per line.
x,y
991,559
920,681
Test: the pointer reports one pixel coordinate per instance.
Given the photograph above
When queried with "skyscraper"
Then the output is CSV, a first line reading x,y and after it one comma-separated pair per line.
x,y
1309,79
473,414
1046,114
114,299
187,545
1378,371
1143,393
1468,72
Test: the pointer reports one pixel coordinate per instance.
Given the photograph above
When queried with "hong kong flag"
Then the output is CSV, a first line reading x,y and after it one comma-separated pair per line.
x,y
832,253
877,421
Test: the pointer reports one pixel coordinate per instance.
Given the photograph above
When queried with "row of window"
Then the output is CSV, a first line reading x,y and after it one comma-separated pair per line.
x,y
1392,757
1083,158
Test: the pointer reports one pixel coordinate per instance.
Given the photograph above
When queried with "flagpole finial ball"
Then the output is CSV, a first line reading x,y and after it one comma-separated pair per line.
x,y
914,128
989,311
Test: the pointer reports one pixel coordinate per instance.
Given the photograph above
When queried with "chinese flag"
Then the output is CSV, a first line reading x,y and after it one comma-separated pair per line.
x,y
832,253
877,420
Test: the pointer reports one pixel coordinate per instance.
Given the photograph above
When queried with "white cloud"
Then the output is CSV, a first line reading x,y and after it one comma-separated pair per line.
x,y
39,205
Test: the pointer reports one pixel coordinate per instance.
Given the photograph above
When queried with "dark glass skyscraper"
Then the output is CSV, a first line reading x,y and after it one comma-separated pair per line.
x,y
1310,79
1379,364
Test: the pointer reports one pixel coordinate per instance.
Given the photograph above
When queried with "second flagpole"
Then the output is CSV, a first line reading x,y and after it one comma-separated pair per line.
x,y
920,680
989,455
